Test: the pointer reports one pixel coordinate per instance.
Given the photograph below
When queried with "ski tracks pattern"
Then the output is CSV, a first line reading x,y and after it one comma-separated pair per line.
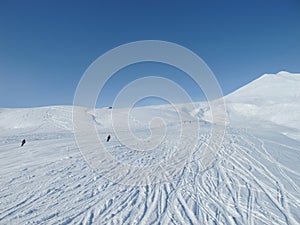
x,y
245,184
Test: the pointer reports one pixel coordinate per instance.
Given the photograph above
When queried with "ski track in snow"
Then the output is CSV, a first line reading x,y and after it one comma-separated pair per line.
x,y
48,182
254,177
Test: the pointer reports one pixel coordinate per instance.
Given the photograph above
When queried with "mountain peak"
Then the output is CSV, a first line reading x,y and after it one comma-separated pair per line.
x,y
283,72
271,97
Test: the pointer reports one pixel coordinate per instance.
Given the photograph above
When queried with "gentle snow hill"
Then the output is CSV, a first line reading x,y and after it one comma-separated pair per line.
x,y
270,99
41,120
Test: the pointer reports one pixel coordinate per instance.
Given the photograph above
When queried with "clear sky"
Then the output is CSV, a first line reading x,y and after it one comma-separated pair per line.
x,y
45,46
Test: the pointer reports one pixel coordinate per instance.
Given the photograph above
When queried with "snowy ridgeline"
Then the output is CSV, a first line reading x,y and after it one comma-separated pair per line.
x,y
253,177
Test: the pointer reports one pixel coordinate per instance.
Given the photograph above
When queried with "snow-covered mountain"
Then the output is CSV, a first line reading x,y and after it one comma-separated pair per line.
x,y
253,177
272,98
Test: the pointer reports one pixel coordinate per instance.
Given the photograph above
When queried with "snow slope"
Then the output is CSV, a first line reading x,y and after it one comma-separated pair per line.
x,y
272,98
254,177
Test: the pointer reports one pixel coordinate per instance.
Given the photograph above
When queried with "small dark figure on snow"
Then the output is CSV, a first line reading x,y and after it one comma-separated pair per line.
x,y
108,138
23,142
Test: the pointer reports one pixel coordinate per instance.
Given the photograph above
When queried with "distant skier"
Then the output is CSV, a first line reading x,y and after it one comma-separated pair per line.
x,y
108,138
23,142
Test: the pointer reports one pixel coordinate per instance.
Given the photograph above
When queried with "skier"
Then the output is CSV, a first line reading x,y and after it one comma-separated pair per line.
x,y
23,142
108,138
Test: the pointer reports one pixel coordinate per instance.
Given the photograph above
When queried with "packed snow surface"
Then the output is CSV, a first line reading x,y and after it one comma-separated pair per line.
x,y
254,177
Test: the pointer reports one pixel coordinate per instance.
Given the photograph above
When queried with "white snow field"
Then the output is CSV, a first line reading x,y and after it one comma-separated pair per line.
x,y
254,178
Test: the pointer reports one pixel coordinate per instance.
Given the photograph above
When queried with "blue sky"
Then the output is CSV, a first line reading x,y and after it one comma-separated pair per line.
x,y
45,46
